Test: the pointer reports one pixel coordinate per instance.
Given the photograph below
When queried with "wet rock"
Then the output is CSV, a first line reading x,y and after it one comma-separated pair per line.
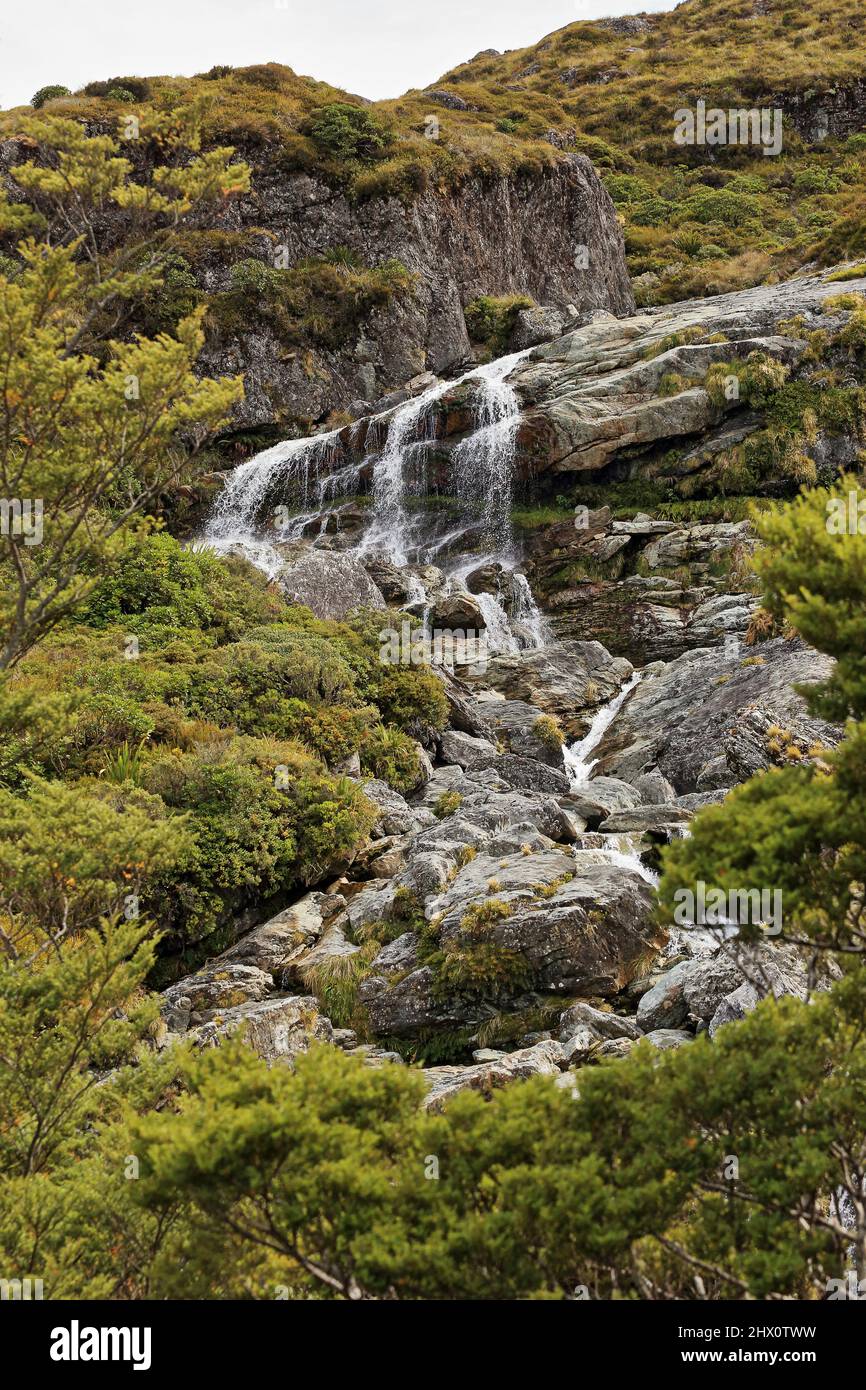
x,y
596,800
457,610
663,820
569,680
522,729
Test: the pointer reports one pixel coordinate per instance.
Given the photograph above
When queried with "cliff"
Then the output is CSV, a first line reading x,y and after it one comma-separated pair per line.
x,y
529,235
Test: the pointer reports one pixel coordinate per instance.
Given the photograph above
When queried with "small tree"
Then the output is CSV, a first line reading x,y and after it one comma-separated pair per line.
x,y
87,420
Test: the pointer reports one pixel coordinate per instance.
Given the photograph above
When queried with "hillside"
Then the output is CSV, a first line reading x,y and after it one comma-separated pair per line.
x,y
699,220
433,680
702,220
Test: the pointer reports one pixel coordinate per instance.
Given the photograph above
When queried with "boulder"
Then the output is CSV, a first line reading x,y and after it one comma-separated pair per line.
x,y
497,1069
333,585
539,324
277,1029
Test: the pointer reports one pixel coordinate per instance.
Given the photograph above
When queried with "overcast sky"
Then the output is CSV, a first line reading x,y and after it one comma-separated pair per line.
x,y
377,48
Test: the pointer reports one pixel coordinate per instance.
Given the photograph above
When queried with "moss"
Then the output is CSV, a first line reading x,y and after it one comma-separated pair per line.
x,y
447,804
850,272
490,320
480,917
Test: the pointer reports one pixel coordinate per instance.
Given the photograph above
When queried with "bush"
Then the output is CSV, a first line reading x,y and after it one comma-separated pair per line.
x,y
490,320
265,817
70,854
347,132
392,756
48,94
133,89
160,584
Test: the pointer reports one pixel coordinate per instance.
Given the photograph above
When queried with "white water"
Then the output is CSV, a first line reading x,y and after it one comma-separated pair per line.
x,y
484,461
578,763
623,850
292,483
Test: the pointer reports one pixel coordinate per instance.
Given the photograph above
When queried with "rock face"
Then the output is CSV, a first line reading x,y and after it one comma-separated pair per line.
x,y
332,585
648,589
709,720
482,238
594,393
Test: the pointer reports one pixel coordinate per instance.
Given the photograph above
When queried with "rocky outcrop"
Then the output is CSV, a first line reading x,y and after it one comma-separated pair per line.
x,y
594,395
648,589
710,720
480,238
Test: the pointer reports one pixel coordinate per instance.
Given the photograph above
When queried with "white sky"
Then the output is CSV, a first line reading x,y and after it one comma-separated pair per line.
x,y
376,48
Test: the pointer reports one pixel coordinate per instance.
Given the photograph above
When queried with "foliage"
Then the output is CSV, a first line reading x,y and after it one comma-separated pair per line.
x,y
48,94
85,435
490,320
348,132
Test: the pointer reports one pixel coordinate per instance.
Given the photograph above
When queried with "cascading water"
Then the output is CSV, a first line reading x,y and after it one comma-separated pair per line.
x,y
292,483
578,763
622,851
483,462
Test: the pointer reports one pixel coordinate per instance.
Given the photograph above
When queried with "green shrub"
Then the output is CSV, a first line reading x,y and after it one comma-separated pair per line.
x,y
134,88
490,320
390,754
347,132
265,817
48,94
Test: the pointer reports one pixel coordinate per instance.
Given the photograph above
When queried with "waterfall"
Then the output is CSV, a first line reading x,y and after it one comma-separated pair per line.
x,y
277,496
525,612
483,463
294,466
577,756
393,478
